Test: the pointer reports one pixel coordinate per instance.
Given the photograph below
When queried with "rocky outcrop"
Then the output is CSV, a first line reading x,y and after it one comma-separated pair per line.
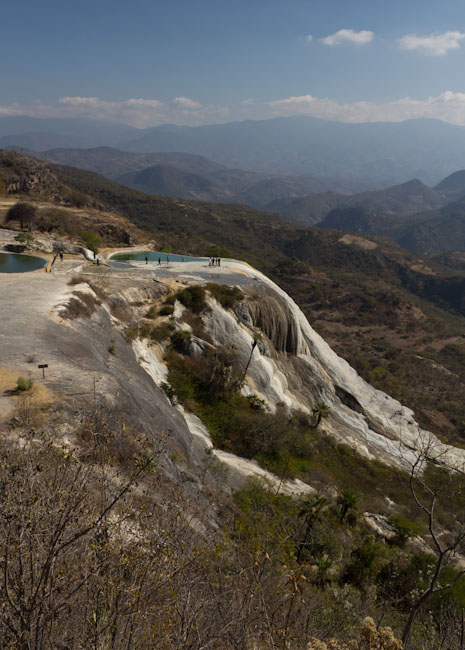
x,y
22,175
51,245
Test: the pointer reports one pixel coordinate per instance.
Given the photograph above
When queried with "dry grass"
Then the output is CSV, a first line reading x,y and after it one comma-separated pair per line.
x,y
81,305
119,309
77,279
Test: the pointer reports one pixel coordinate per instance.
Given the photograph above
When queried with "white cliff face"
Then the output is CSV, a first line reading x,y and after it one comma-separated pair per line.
x,y
371,421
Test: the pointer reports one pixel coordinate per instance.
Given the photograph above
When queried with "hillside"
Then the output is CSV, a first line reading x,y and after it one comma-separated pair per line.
x,y
372,300
224,183
392,212
452,187
361,220
113,163
437,231
122,467
170,181
401,200
210,447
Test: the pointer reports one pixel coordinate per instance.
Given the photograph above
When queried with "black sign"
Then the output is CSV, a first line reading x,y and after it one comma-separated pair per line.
x,y
43,366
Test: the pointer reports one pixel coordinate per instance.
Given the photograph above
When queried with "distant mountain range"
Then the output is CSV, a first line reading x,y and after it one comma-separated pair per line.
x,y
365,156
186,176
316,172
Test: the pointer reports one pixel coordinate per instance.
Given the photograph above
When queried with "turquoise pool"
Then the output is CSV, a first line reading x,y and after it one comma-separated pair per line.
x,y
14,263
155,256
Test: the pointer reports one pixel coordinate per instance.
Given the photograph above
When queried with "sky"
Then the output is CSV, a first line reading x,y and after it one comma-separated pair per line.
x,y
195,62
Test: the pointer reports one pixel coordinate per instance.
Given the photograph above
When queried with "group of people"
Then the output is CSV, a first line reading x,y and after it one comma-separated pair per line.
x,y
214,261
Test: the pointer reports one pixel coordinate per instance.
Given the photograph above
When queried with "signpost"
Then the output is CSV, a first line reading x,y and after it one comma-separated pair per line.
x,y
43,366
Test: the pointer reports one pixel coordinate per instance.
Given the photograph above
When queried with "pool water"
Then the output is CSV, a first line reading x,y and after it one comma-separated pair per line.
x,y
154,257
14,263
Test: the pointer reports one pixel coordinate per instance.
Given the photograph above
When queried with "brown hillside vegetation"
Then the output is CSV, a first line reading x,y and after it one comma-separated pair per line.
x,y
391,314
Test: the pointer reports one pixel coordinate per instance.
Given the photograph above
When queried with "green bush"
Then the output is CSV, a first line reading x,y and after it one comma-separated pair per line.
x,y
179,379
226,296
24,238
170,299
131,333
405,529
92,240
55,219
77,200
366,562
180,341
152,312
23,384
161,332
193,298
166,310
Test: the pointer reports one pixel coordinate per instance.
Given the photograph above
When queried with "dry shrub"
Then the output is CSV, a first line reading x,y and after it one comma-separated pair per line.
x,y
77,279
103,434
370,639
30,413
81,305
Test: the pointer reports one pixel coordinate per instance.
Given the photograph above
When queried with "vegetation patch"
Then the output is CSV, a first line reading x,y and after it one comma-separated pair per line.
x,y
24,384
52,219
80,305
289,446
166,310
161,332
92,240
227,296
193,298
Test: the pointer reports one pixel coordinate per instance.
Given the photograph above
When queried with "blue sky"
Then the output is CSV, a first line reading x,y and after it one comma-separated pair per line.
x,y
207,61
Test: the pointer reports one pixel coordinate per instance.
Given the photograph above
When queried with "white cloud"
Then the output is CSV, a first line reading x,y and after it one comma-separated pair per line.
x,y
448,106
135,111
309,38
432,45
185,102
344,36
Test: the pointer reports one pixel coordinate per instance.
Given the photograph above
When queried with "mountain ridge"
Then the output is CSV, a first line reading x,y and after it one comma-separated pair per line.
x,y
378,152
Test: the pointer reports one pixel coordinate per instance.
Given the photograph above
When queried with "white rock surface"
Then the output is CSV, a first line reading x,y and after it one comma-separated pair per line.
x,y
149,360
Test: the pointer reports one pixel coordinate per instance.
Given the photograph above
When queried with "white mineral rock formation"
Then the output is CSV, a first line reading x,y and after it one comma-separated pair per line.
x,y
371,421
